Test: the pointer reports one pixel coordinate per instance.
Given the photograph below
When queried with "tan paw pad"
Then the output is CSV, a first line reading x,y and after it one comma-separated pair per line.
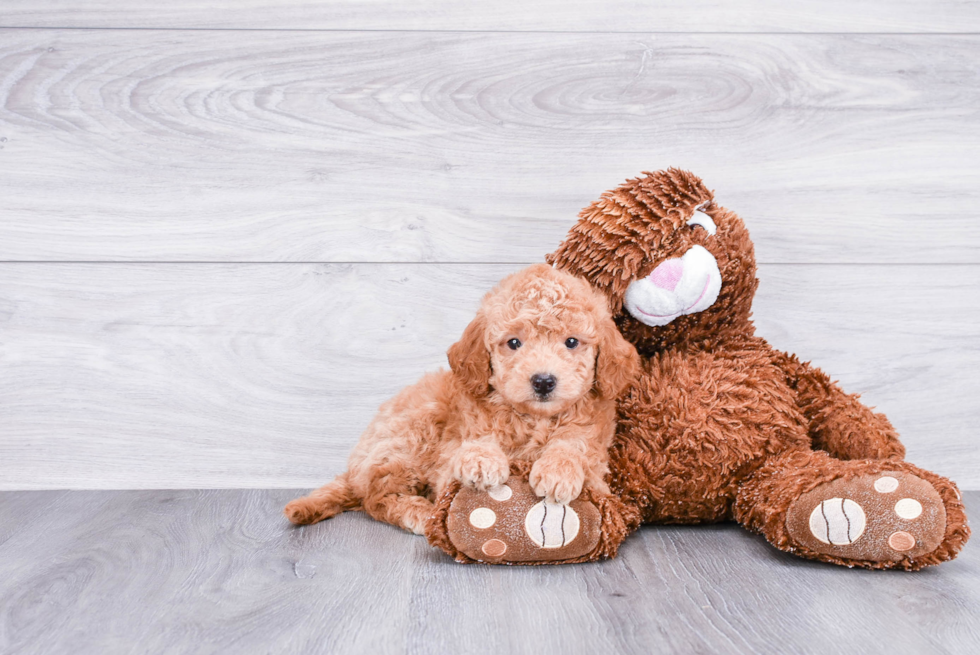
x,y
482,518
901,541
908,508
494,548
886,484
501,493
837,521
551,525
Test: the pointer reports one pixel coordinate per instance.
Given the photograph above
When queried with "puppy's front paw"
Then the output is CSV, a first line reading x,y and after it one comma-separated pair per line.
x,y
482,466
558,480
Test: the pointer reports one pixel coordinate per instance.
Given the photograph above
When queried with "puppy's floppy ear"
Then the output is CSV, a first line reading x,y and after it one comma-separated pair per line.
x,y
617,364
469,358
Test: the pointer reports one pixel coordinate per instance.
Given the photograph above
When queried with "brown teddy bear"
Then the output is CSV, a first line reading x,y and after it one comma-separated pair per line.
x,y
720,426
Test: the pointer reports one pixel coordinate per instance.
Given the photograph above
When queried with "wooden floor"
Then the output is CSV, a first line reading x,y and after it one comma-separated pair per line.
x,y
221,571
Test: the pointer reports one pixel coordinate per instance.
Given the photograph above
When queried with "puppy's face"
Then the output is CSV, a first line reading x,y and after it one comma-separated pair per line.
x,y
542,340
544,370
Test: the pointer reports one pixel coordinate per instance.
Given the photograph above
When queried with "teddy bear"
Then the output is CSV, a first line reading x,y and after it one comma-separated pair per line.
x,y
719,426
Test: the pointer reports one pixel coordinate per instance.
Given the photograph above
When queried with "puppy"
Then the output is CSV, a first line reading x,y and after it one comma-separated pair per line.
x,y
535,377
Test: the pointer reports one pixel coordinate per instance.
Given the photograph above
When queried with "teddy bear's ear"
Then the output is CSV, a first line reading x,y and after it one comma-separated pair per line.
x,y
469,358
597,250
617,364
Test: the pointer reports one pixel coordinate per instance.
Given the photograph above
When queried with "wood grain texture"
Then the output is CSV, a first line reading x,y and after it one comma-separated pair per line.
x,y
506,15
143,376
454,147
209,571
19,510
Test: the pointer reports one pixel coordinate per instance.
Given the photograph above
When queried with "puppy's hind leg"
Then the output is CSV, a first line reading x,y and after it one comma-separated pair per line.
x,y
329,500
404,510
394,496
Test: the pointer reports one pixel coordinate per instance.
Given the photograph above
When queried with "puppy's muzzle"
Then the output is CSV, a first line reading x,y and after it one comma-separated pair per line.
x,y
543,383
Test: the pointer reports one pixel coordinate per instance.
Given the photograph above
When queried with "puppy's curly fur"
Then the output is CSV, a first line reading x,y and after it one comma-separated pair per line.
x,y
534,378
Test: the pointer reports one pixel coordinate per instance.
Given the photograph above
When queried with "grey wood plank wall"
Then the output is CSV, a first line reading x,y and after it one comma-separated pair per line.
x,y
221,250
242,146
625,16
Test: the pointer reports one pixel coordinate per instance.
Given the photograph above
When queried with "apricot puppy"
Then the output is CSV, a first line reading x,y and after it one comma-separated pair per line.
x,y
534,378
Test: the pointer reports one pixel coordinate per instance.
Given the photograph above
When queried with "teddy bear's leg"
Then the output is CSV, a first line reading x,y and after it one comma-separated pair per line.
x,y
509,524
868,513
839,423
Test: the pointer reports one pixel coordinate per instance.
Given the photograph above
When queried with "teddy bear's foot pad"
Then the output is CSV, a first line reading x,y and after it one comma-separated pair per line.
x,y
877,518
510,524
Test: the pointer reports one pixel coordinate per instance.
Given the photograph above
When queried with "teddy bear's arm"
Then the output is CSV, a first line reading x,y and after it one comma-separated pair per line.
x,y
838,422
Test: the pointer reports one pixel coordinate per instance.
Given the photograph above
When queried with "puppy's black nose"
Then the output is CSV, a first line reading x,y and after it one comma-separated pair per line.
x,y
543,384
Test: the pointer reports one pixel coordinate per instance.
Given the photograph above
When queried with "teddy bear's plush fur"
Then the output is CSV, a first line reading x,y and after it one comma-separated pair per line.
x,y
721,426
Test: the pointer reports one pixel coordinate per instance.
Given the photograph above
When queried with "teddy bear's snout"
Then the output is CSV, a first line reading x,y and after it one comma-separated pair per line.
x,y
677,286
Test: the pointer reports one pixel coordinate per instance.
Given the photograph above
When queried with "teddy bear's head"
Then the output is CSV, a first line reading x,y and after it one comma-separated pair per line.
x,y
675,266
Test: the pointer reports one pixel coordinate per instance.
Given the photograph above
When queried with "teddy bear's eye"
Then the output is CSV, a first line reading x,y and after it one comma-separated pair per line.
x,y
514,344
571,342
700,219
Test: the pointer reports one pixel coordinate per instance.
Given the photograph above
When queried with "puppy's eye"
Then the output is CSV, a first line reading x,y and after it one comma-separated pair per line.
x,y
514,344
702,220
571,342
